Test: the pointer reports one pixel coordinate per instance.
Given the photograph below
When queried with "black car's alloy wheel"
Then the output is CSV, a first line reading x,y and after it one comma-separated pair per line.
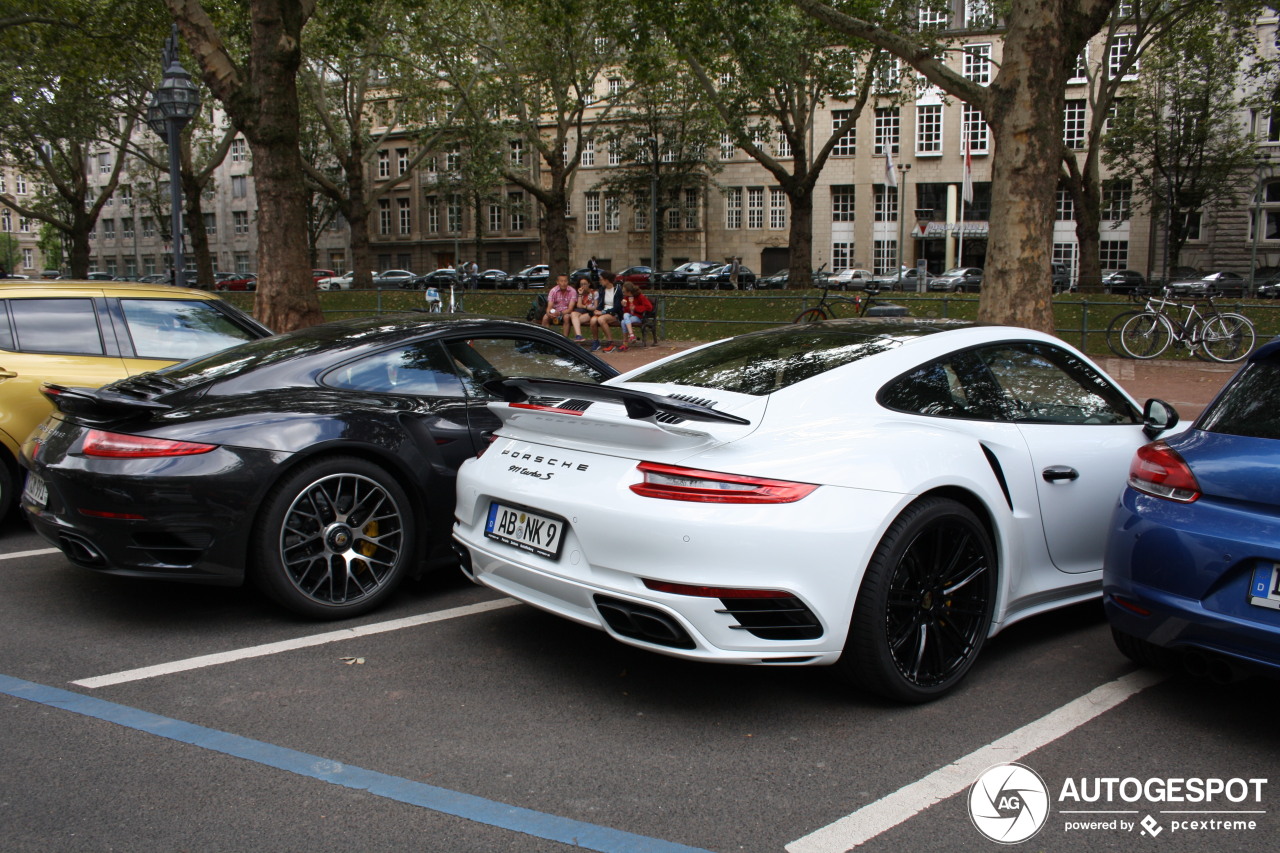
x,y
335,539
925,605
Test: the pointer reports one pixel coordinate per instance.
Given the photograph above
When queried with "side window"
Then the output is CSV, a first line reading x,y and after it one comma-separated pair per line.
x,y
954,387
56,326
421,369
179,329
6,331
478,360
1044,384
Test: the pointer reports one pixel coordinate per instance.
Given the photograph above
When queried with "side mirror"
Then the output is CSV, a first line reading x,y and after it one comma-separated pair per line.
x,y
1157,417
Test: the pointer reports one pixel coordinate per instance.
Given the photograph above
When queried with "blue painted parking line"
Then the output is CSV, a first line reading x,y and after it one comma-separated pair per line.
x,y
466,806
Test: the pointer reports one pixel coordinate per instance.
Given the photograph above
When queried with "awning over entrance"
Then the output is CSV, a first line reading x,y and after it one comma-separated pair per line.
x,y
938,230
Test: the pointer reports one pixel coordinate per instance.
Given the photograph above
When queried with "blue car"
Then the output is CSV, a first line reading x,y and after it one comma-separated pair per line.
x,y
1192,571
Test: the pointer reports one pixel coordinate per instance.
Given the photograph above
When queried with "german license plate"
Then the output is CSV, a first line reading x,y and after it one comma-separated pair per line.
x,y
35,492
521,528
1265,589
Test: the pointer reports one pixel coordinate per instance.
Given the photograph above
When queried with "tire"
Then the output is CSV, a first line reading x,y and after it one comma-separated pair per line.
x,y
1113,332
1145,335
1227,337
335,538
8,485
925,605
811,315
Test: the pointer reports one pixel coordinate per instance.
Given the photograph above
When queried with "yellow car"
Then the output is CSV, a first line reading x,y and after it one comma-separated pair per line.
x,y
89,333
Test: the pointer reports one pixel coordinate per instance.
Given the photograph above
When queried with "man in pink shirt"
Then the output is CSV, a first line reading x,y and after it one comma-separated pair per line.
x,y
560,301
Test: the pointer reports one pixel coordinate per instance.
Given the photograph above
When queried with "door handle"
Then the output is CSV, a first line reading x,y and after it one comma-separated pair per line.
x,y
6,374
1055,473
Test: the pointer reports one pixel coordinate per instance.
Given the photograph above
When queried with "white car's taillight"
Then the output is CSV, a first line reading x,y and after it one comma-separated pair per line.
x,y
673,483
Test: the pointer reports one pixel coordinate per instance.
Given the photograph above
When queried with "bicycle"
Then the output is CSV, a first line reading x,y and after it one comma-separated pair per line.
x,y
826,307
1146,334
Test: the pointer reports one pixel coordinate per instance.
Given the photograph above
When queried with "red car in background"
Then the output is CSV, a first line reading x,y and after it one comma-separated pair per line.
x,y
245,281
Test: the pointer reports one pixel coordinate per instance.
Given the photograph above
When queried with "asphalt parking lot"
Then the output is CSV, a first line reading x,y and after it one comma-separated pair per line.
x,y
144,716
147,716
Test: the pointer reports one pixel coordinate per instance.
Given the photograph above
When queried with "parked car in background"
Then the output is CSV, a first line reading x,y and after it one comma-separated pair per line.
x,y
958,280
642,276
1268,288
534,276
850,279
154,278
774,281
442,277
1060,278
963,474
317,275
1123,281
721,278
1224,282
393,278
1192,574
91,333
679,277
491,279
325,457
906,281
241,281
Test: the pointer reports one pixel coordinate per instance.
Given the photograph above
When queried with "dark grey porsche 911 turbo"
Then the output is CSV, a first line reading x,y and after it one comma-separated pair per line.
x,y
319,464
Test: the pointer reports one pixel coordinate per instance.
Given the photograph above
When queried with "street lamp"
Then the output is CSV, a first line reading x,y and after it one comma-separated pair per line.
x,y
175,102
903,168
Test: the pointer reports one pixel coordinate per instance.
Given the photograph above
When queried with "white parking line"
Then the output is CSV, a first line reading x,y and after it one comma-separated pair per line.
x,y
289,645
37,553
886,813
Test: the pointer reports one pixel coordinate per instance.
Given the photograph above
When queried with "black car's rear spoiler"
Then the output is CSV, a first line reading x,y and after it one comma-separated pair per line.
x,y
97,403
640,405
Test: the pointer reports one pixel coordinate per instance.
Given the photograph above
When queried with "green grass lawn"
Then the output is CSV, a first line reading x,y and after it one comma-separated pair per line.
x,y
704,315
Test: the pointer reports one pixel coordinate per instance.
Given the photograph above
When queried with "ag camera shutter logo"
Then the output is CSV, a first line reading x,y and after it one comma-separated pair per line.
x,y
1009,803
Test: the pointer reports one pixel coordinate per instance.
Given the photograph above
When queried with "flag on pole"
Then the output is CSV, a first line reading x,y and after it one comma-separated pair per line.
x,y
890,176
966,192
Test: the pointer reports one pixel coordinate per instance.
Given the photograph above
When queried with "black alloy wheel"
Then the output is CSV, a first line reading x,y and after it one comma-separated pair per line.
x,y
335,539
925,605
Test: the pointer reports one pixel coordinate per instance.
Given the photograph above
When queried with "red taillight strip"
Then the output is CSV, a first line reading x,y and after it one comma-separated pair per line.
x,y
713,591
118,445
545,408
123,516
673,483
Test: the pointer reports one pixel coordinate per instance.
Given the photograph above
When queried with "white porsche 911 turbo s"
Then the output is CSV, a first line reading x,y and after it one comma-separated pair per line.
x,y
882,495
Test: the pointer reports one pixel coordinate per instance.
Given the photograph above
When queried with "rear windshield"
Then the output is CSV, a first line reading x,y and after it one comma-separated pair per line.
x,y
1250,405
762,363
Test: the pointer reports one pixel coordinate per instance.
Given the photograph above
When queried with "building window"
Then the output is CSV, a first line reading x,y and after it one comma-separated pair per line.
x,y
238,151
453,159
784,144
975,135
239,186
615,152
1065,207
242,262
755,207
384,164
977,63
104,163
726,146
1073,125
885,257
847,145
1117,198
126,195
1188,224
1266,123
842,203
588,157
516,152
515,204
453,215
640,214
1080,74
887,127
1270,212
108,229
19,185
733,207
432,204
384,216
406,217
402,160
612,213
24,225
1113,255
692,203
148,226
1122,45
29,260
929,129
978,13
240,222
6,223
888,75
495,218
841,256
591,207
210,225
777,209
885,203
934,18
615,86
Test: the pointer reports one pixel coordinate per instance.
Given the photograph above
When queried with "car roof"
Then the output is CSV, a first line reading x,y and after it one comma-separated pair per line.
x,y
100,288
